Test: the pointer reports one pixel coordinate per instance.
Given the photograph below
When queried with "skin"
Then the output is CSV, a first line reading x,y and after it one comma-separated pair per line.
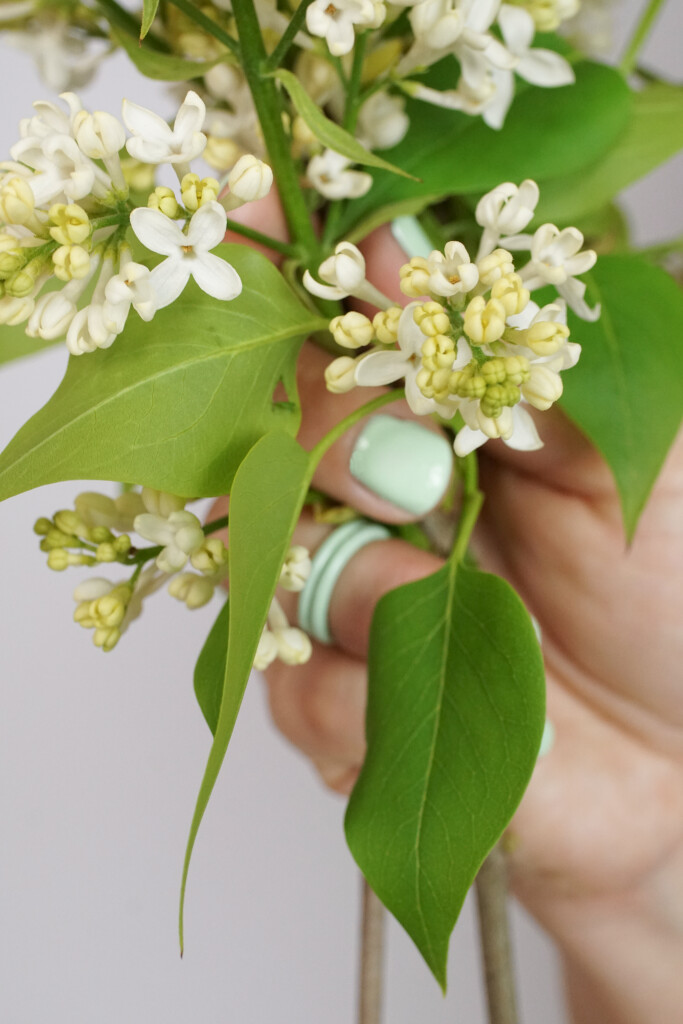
x,y
596,848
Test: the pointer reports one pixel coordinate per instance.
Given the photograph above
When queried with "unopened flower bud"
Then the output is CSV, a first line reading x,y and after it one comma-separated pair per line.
x,y
296,569
12,256
340,375
161,503
101,535
71,224
163,199
42,526
195,591
546,337
220,153
211,556
484,321
543,387
352,330
438,353
23,283
250,179
494,266
493,371
266,652
293,645
415,277
71,261
70,522
99,135
196,191
511,292
432,318
16,202
122,544
386,325
106,552
138,176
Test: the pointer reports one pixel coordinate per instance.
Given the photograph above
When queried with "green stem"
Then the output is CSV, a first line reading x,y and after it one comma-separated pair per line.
x,y
107,222
351,110
141,555
269,109
258,236
282,48
208,24
640,34
472,501
216,524
358,414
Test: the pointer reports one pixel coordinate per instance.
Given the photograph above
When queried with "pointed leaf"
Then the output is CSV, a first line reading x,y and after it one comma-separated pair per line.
x,y
626,391
149,13
547,133
653,134
174,404
330,134
209,671
164,67
265,503
454,723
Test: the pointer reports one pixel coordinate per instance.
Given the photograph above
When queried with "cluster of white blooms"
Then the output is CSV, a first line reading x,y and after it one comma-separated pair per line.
x,y
479,346
66,40
65,211
183,558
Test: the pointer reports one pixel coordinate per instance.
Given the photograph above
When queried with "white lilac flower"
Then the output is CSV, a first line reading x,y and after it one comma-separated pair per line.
x,y
538,66
65,57
344,275
54,311
514,426
88,329
101,136
132,286
187,253
556,258
155,142
505,210
460,27
63,170
293,645
180,533
250,179
335,22
378,368
382,121
328,173
451,272
15,310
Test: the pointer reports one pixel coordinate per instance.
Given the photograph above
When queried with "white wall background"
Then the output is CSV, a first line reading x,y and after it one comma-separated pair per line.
x,y
101,757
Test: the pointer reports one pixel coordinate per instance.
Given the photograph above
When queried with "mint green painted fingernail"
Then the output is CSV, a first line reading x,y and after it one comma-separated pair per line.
x,y
403,463
411,236
548,739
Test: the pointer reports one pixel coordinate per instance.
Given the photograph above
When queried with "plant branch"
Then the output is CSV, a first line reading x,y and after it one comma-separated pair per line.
x,y
358,414
371,959
280,52
211,27
258,236
640,34
491,889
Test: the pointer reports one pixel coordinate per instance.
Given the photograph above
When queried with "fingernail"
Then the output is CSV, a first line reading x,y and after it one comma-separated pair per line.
x,y
547,739
403,463
411,236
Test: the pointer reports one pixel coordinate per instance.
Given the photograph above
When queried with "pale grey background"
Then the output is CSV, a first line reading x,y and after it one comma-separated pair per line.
x,y
101,757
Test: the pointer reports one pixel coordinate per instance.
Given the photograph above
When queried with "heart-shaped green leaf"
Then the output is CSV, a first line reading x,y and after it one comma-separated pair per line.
x,y
547,133
626,391
328,132
265,503
176,403
455,717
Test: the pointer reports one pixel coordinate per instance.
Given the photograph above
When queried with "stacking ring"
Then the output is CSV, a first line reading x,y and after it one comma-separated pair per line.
x,y
327,565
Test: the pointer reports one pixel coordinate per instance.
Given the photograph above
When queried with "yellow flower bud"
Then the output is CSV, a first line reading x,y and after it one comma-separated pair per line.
x,y
493,371
352,330
250,179
122,544
101,535
163,199
210,557
494,266
196,191
385,324
71,223
106,638
42,526
71,261
432,318
546,337
340,375
221,153
484,321
511,292
516,369
16,202
22,283
415,277
106,552
12,255
195,591
70,522
543,387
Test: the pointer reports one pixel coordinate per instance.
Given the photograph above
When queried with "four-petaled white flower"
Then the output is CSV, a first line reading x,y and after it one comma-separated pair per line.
x,y
505,210
451,272
329,174
335,21
344,275
181,534
132,286
187,254
155,142
556,258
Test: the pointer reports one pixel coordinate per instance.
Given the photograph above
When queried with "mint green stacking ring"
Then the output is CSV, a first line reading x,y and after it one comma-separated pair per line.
x,y
327,565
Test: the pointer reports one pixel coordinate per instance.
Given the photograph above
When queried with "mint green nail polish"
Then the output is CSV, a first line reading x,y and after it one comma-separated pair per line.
x,y
403,463
410,235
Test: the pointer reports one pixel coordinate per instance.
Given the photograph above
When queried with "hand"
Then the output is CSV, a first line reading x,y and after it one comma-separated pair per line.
x,y
596,848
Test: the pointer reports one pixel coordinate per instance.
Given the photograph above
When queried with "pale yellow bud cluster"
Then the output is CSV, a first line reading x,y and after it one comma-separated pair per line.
x,y
70,224
511,293
71,262
494,266
105,615
438,356
296,569
22,282
432,318
414,277
11,255
352,330
16,203
385,324
494,383
164,200
211,557
484,321
543,338
193,590
340,375
67,529
196,191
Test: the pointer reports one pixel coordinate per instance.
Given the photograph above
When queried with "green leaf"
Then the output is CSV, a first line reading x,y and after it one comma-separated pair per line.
x,y
653,134
626,392
547,133
209,672
330,134
265,503
164,67
454,723
177,403
15,344
149,13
